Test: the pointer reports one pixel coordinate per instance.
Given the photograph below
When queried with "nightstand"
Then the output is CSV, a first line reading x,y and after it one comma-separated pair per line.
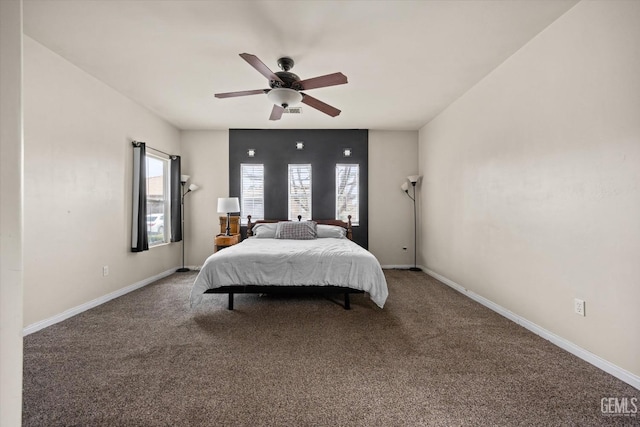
x,y
222,241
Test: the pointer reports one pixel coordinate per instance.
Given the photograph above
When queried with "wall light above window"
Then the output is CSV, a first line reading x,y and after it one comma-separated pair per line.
x,y
251,152
346,152
299,145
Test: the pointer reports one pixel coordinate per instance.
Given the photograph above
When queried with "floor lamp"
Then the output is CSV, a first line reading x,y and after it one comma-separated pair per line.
x,y
192,187
413,179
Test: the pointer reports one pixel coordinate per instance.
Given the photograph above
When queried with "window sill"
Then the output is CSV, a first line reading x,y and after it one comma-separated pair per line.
x,y
157,245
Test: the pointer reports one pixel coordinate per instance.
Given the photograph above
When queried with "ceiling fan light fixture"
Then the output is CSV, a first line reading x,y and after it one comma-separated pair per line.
x,y
284,97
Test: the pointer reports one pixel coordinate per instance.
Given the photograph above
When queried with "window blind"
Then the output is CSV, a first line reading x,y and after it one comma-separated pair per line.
x,y
251,191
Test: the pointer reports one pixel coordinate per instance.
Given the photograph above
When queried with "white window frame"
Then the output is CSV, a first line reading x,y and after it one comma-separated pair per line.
x,y
290,197
355,214
250,210
165,200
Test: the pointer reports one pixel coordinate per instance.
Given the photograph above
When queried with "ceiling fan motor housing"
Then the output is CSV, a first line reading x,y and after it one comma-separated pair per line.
x,y
289,81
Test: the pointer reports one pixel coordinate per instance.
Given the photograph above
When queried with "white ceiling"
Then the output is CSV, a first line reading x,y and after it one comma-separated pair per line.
x,y
405,60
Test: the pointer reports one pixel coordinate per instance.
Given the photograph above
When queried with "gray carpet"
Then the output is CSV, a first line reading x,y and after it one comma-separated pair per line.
x,y
430,357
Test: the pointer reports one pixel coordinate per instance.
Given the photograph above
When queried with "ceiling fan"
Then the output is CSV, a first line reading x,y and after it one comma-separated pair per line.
x,y
286,87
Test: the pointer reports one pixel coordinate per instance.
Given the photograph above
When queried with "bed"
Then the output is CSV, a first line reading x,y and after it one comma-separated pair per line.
x,y
293,257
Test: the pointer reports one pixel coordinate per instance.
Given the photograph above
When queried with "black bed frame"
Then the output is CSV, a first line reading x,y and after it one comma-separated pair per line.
x,y
290,290
284,290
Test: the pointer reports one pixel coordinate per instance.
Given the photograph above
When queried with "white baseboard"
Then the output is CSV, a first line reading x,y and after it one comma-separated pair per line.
x,y
35,327
396,267
618,372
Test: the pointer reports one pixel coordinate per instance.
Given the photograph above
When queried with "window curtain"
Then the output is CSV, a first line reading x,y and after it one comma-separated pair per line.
x,y
176,200
139,237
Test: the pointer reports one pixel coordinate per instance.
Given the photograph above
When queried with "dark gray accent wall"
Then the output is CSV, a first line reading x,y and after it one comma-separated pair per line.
x,y
323,149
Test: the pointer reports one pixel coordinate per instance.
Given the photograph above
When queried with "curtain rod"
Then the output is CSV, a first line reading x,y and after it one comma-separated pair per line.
x,y
137,144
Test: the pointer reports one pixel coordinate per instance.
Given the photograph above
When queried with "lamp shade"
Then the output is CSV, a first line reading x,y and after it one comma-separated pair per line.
x,y
413,178
184,178
404,186
228,204
284,97
193,187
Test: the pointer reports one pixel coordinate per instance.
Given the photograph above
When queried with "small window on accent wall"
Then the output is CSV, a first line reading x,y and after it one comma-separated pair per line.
x,y
348,192
300,191
251,191
158,210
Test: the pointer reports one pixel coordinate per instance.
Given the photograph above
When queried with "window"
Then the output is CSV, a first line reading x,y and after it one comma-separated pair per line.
x,y
347,192
158,199
300,191
251,191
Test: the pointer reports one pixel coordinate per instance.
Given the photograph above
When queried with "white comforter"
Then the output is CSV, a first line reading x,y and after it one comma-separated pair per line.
x,y
320,262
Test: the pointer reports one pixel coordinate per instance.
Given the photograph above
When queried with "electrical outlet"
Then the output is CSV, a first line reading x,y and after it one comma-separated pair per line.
x,y
105,270
578,306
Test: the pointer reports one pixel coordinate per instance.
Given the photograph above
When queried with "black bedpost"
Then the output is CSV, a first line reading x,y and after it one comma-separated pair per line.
x,y
249,226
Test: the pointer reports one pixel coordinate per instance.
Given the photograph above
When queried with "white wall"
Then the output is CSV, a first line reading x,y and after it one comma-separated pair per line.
x,y
531,195
11,227
393,155
78,175
205,156
67,111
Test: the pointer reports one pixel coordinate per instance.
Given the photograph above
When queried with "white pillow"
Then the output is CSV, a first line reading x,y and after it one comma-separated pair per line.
x,y
331,231
265,230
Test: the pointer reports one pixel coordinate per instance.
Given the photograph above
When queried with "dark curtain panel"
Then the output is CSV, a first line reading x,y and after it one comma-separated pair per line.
x,y
139,238
176,213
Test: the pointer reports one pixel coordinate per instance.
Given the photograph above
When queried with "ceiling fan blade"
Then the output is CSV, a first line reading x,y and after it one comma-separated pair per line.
x,y
319,105
323,81
259,65
276,112
241,93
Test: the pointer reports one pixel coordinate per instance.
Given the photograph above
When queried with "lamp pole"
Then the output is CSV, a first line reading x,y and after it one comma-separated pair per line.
x,y
183,269
228,224
413,179
192,187
415,231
